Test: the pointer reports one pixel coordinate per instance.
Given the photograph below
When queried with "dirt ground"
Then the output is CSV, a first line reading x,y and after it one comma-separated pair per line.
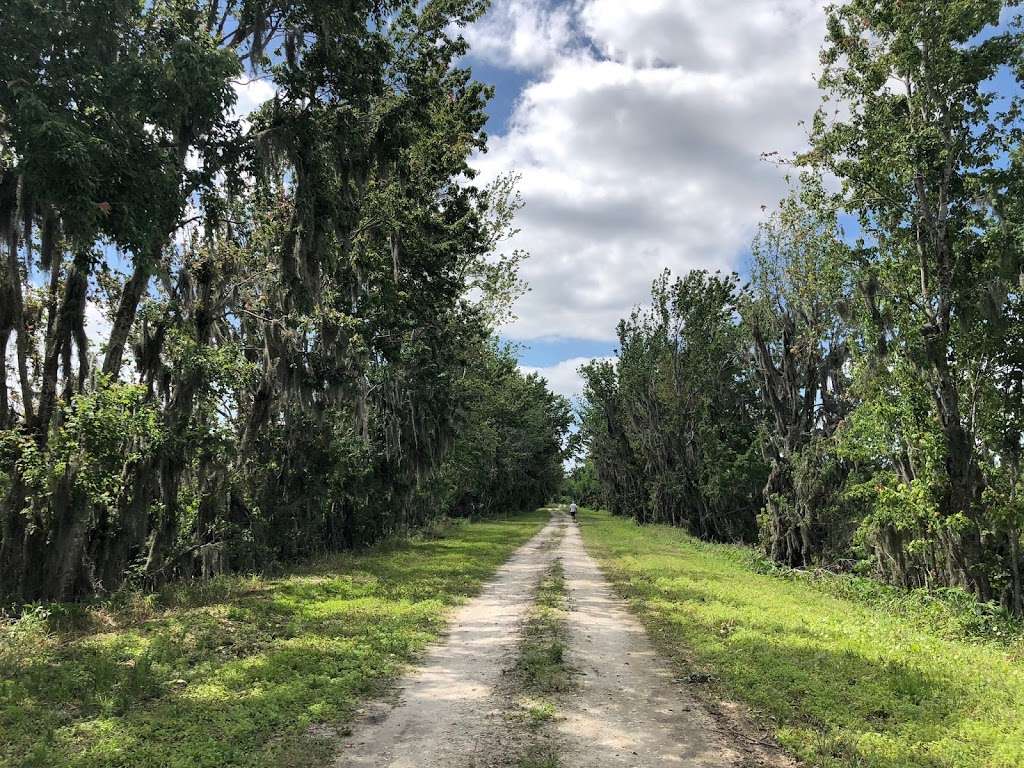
x,y
449,711
626,708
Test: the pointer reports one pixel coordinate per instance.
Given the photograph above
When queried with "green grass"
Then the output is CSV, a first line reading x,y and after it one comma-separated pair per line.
x,y
233,672
541,671
843,681
541,667
539,760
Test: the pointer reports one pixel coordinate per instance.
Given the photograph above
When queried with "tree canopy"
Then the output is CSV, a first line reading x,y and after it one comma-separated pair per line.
x,y
235,339
886,362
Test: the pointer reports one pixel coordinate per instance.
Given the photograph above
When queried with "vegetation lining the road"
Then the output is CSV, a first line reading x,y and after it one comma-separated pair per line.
x,y
842,681
240,331
233,672
541,670
857,399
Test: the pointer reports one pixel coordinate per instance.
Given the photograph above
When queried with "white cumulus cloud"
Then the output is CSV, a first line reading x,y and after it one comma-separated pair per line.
x,y
639,146
251,94
564,377
523,34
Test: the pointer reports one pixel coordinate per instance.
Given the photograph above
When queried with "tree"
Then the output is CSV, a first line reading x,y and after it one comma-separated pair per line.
x,y
793,310
510,453
296,300
581,485
671,428
918,139
102,103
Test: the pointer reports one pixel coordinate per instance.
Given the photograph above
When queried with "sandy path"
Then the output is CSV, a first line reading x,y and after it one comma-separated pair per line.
x,y
449,713
626,709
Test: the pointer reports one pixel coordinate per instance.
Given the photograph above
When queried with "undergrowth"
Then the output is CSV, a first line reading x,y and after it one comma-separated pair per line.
x,y
948,611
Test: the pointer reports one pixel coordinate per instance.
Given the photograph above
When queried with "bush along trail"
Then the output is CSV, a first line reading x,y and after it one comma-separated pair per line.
x,y
843,675
241,672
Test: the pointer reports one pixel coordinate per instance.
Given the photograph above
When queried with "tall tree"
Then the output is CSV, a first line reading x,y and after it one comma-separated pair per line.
x,y
291,302
918,136
794,310
672,427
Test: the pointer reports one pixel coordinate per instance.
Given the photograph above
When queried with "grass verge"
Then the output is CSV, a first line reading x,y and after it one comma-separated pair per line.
x,y
843,682
233,673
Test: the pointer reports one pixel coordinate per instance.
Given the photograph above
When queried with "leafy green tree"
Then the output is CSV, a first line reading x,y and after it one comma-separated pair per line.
x,y
101,104
671,428
582,486
510,453
299,302
606,442
918,137
794,311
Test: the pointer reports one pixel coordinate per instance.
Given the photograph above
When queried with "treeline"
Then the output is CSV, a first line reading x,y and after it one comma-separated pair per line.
x,y
237,340
859,403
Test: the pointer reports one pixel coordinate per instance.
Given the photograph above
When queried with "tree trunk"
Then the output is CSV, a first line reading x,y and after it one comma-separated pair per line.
x,y
1017,599
69,319
5,408
17,311
964,480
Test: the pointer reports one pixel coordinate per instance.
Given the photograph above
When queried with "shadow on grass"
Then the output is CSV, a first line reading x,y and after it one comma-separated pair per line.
x,y
234,675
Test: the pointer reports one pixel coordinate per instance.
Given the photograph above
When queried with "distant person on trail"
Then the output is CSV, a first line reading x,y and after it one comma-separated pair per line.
x,y
572,511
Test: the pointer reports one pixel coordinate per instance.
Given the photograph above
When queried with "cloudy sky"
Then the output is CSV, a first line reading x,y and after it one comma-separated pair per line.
x,y
637,129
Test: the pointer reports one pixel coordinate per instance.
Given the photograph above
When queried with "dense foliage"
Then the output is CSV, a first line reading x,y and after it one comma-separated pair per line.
x,y
237,339
671,426
888,366
581,484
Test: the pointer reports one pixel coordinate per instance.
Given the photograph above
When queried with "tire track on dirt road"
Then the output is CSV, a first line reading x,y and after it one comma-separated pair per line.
x,y
626,708
450,712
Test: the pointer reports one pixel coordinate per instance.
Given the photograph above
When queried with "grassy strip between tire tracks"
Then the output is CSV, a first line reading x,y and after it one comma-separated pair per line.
x,y
541,672
234,672
843,682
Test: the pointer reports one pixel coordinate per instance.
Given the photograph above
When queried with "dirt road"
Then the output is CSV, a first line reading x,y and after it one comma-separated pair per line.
x,y
624,711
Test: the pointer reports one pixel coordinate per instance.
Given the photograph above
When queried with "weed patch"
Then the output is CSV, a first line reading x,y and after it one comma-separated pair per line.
x,y
541,671
541,668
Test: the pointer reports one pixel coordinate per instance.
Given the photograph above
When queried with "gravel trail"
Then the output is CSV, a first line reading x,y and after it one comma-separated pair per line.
x,y
627,709
449,711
